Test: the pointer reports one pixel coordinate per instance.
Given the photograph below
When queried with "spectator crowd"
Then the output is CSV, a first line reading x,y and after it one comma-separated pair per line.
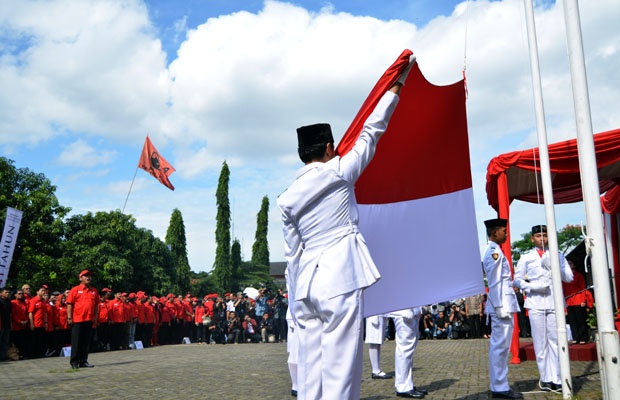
x,y
35,325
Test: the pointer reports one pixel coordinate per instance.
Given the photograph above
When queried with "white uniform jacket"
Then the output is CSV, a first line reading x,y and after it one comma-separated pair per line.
x,y
534,279
320,216
501,292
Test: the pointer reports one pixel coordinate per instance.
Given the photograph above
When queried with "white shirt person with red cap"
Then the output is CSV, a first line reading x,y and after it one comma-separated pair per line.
x,y
82,311
328,262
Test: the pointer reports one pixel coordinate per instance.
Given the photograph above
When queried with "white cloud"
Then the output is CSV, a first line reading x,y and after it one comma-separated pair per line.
x,y
241,83
81,154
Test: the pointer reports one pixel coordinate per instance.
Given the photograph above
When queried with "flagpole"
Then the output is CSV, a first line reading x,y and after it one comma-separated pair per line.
x,y
545,172
130,186
608,347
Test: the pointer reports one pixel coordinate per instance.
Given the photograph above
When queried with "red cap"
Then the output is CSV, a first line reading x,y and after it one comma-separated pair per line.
x,y
132,295
124,294
85,272
105,289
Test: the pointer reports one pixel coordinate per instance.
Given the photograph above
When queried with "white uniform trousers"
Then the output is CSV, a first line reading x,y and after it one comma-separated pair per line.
x,y
545,339
501,336
374,336
292,346
406,342
330,343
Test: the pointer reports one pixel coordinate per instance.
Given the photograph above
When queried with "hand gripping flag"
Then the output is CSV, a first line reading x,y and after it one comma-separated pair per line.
x,y
153,163
415,198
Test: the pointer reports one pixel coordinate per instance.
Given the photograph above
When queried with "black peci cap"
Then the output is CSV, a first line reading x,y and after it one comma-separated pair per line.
x,y
496,223
314,134
539,229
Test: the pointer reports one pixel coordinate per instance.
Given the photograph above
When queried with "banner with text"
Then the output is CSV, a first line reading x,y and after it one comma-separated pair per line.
x,y
9,238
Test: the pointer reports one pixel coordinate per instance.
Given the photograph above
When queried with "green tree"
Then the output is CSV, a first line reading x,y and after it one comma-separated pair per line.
x,y
260,248
222,268
175,238
39,240
236,265
121,255
568,237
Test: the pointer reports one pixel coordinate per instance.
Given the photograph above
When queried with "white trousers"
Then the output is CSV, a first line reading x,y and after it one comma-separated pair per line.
x,y
501,336
330,344
545,338
406,342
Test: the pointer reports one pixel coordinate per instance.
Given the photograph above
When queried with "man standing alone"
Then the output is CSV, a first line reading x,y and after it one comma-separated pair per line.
x,y
82,312
501,303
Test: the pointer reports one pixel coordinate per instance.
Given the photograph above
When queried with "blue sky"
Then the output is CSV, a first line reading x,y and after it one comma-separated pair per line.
x,y
85,81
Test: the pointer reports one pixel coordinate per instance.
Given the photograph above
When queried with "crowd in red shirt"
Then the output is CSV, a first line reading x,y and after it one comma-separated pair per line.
x,y
40,327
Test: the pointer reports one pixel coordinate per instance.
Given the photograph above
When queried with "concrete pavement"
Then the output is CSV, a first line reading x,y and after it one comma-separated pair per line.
x,y
448,369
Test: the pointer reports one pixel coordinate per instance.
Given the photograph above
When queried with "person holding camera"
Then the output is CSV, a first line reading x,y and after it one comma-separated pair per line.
x,y
250,330
458,322
234,328
428,323
280,307
261,306
265,325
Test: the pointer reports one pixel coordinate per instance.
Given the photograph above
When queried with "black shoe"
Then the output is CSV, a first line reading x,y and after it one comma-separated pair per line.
x,y
508,394
293,393
85,364
412,394
549,386
423,391
74,366
381,375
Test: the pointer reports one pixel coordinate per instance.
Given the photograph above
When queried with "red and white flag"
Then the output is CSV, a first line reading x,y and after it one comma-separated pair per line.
x,y
153,163
415,198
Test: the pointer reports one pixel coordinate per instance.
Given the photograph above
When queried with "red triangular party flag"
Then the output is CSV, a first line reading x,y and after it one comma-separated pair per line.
x,y
153,163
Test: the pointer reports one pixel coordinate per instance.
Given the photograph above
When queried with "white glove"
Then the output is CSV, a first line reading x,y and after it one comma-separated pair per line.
x,y
499,311
526,288
403,76
407,314
545,260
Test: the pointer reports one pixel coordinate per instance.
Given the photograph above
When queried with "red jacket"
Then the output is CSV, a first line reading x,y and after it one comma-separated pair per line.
x,y
60,316
19,315
37,307
104,312
85,301
116,311
574,291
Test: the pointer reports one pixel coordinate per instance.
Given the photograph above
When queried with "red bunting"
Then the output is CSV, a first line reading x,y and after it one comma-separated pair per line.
x,y
153,163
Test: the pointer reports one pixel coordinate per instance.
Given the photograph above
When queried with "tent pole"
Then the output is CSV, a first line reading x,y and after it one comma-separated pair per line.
x,y
609,351
545,171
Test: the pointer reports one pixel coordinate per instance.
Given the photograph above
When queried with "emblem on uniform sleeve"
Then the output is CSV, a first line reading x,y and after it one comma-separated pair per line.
x,y
495,256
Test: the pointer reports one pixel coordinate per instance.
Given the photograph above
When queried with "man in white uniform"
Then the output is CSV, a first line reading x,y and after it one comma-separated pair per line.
x,y
533,277
501,304
407,326
375,335
328,261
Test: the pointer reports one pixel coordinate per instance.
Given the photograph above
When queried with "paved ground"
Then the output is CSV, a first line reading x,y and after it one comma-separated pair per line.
x,y
454,369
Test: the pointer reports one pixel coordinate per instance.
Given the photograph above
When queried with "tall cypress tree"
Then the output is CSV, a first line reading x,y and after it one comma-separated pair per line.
x,y
222,268
236,269
260,248
175,238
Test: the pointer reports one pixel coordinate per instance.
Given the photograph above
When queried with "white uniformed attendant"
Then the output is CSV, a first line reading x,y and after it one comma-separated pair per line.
x,y
407,326
533,277
374,337
328,260
501,303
